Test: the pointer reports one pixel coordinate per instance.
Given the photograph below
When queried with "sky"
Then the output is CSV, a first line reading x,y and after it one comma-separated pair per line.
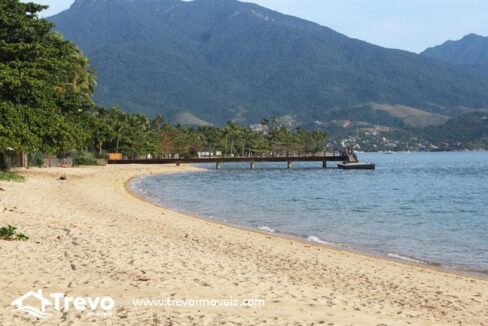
x,y
412,25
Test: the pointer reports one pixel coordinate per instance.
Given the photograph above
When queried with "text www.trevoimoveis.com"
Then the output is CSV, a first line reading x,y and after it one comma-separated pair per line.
x,y
197,302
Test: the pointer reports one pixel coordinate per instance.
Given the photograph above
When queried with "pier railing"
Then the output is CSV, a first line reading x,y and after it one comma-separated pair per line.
x,y
252,160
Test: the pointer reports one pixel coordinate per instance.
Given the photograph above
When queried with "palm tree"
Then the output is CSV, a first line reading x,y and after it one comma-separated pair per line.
x,y
318,141
230,131
119,125
81,78
102,128
245,135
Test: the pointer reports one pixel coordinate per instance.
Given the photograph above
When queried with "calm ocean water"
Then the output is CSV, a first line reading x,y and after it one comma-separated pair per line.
x,y
426,207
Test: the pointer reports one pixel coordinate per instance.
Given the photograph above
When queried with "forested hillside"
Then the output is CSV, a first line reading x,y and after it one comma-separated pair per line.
x,y
470,50
218,60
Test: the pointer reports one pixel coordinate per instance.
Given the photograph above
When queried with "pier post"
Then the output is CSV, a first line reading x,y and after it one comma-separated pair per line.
x,y
324,164
289,164
218,165
252,165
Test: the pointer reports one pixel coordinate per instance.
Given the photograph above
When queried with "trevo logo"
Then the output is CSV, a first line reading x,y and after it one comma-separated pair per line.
x,y
97,306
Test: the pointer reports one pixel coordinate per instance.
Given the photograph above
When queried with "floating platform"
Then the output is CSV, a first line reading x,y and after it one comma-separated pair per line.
x,y
356,166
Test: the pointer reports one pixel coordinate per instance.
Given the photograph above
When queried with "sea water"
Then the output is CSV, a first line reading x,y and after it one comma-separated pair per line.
x,y
419,207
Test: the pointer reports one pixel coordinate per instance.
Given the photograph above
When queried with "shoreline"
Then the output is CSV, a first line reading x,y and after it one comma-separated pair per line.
x,y
90,237
341,247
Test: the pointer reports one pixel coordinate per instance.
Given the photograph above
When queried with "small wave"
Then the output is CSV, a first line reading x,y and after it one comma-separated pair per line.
x,y
409,259
294,200
137,187
266,229
318,240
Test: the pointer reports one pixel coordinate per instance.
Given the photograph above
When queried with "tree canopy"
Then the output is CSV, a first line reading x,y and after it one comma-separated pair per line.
x,y
135,135
45,83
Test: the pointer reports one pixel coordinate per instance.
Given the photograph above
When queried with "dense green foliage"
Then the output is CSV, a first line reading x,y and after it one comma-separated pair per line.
x,y
45,84
84,159
135,135
468,131
228,60
470,50
10,233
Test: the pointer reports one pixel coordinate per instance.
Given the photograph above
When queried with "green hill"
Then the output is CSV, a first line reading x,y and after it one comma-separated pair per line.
x,y
470,50
217,60
466,131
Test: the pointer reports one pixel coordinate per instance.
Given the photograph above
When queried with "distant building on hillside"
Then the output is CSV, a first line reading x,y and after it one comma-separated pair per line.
x,y
259,128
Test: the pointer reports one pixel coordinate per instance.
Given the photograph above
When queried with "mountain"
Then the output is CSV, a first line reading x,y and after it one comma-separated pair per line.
x,y
470,50
466,131
209,61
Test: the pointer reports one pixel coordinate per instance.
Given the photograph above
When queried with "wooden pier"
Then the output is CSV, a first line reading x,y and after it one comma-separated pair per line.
x,y
329,157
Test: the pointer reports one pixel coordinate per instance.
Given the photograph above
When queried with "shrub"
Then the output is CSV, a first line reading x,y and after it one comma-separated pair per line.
x,y
39,162
84,160
10,233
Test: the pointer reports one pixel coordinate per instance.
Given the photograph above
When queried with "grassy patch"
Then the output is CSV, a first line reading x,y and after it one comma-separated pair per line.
x,y
10,233
10,176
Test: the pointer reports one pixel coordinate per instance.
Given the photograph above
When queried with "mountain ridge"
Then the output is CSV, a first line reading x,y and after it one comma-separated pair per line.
x,y
222,60
472,49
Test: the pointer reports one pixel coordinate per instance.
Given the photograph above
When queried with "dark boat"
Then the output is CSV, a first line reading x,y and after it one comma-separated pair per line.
x,y
356,166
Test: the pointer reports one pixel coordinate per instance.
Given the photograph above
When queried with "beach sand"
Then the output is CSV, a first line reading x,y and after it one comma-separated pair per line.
x,y
90,237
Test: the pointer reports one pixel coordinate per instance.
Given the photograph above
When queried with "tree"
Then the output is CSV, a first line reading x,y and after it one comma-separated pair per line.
x,y
135,140
181,140
230,133
157,123
259,144
302,140
81,78
214,138
45,84
279,140
119,124
196,141
317,141
167,144
245,135
101,128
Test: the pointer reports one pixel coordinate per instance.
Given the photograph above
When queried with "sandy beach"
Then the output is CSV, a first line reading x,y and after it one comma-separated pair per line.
x,y
89,237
